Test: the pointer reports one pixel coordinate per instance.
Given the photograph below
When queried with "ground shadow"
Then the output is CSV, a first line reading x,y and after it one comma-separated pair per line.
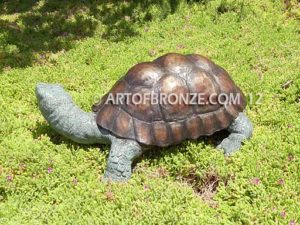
x,y
212,140
42,128
30,31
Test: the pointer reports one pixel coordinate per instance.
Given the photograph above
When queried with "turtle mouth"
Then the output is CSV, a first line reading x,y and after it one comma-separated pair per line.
x,y
40,91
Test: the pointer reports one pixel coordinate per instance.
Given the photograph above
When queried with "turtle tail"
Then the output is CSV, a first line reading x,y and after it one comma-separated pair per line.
x,y
65,117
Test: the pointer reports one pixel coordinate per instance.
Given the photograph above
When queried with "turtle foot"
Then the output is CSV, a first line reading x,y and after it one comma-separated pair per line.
x,y
231,144
121,156
240,130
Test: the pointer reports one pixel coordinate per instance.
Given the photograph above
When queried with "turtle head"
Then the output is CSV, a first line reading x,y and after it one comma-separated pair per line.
x,y
51,95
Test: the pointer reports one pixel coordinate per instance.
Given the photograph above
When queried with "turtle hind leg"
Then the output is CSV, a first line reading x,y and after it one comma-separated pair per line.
x,y
122,154
240,130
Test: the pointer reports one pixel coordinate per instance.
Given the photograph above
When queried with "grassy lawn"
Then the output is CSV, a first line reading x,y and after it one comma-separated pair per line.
x,y
87,46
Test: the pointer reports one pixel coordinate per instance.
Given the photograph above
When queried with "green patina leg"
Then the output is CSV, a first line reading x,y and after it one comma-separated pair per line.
x,y
122,154
240,130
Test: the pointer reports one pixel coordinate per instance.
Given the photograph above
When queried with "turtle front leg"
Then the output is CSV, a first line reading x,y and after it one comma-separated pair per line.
x,y
240,129
122,153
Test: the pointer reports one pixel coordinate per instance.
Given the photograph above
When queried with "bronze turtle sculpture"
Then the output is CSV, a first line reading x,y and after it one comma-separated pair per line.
x,y
132,123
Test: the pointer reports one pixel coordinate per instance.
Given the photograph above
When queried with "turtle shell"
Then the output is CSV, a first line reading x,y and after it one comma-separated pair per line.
x,y
163,123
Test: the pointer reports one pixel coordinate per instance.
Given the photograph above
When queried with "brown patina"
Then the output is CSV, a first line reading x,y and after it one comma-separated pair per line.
x,y
168,124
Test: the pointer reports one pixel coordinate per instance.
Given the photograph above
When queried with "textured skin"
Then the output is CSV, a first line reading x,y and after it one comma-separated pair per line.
x,y
240,129
167,124
66,118
121,156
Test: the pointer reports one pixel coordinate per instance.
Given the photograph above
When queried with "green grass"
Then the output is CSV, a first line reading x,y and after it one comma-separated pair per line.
x,y
46,179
